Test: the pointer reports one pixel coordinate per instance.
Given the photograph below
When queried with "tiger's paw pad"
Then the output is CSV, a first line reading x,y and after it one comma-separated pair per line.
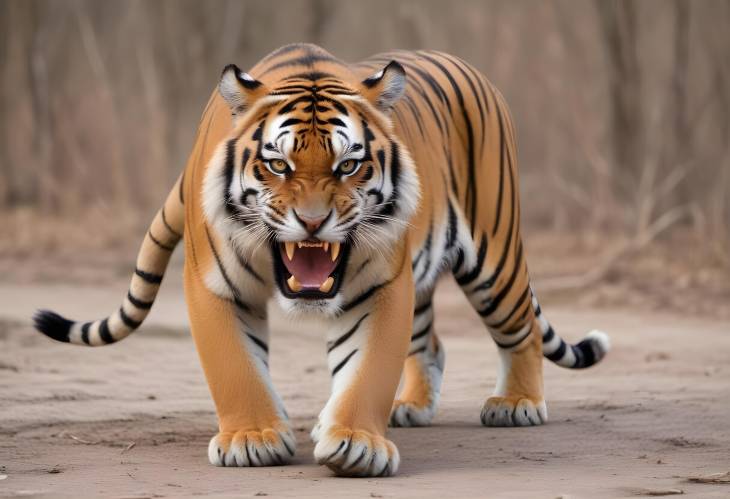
x,y
350,452
267,447
513,411
407,414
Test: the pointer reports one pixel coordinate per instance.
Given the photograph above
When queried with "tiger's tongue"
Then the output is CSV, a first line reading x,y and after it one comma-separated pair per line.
x,y
310,266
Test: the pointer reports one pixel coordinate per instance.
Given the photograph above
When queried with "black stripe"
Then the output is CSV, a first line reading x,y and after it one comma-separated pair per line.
x,y
514,343
477,269
452,175
493,303
390,204
343,362
143,305
336,122
276,210
159,243
417,351
471,167
458,64
517,305
381,159
414,264
452,228
131,323
548,335
244,197
417,117
479,78
588,357
557,354
346,221
290,122
339,341
349,208
501,171
259,342
180,190
148,276
248,267
427,251
459,262
421,309
104,332
234,291
360,268
305,60
291,90
228,170
289,106
439,118
257,173
85,333
432,82
579,361
311,76
489,282
423,332
362,297
167,225
337,105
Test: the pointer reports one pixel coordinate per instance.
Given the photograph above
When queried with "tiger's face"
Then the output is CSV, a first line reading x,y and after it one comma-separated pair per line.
x,y
313,174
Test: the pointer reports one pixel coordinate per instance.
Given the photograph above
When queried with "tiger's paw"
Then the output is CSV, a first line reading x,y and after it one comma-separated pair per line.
x,y
407,413
267,447
513,411
350,452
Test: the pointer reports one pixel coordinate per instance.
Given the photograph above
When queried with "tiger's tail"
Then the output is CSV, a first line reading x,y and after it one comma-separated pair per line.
x,y
585,353
163,234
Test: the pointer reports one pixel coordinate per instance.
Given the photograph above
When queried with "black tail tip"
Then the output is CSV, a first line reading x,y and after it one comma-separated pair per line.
x,y
52,325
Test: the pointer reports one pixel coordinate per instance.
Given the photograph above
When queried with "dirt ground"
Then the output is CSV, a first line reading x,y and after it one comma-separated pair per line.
x,y
134,420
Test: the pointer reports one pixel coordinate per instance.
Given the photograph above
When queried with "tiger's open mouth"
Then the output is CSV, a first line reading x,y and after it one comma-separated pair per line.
x,y
309,269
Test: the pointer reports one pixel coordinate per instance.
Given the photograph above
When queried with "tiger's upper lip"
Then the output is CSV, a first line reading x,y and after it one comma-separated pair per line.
x,y
290,247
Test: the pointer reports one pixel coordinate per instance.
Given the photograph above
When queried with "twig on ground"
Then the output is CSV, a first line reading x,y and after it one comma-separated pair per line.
x,y
658,492
716,478
82,441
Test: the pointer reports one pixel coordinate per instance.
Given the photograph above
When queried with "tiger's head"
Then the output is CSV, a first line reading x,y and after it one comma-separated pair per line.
x,y
313,173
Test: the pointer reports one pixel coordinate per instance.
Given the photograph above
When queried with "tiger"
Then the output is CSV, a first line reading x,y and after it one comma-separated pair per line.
x,y
344,192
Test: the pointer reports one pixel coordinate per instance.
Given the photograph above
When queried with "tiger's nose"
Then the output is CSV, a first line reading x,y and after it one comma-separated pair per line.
x,y
310,222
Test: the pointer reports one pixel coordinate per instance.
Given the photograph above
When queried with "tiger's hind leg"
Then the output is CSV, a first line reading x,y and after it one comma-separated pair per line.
x,y
422,373
493,276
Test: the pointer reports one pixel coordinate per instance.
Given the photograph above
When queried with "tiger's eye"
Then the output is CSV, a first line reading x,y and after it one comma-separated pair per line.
x,y
278,166
347,167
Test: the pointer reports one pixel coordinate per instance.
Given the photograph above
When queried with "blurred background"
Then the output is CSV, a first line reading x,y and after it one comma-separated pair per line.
x,y
622,110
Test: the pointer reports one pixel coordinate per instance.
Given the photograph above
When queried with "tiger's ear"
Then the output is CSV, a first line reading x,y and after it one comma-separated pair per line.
x,y
239,88
385,87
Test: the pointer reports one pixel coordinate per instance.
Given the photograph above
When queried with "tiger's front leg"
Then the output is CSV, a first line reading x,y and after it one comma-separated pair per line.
x,y
366,352
231,339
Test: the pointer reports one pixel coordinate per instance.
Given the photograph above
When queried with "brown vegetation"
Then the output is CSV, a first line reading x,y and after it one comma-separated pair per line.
x,y
622,108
